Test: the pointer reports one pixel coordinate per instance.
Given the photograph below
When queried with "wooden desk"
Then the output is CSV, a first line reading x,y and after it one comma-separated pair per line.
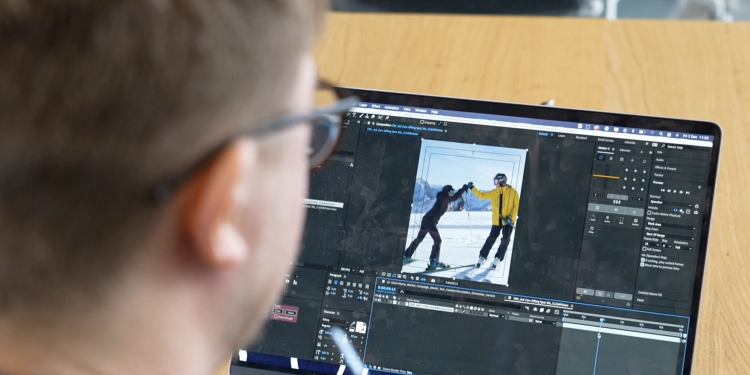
x,y
681,69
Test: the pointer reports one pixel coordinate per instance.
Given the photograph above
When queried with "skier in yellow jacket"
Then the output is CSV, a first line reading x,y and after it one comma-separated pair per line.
x,y
504,201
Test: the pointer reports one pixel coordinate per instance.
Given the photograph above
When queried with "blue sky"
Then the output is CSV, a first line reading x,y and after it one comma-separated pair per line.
x,y
458,170
451,163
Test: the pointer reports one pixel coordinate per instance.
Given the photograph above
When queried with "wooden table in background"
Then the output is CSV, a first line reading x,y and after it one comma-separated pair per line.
x,y
683,69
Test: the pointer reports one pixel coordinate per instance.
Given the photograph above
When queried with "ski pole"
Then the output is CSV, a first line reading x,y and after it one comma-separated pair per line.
x,y
471,235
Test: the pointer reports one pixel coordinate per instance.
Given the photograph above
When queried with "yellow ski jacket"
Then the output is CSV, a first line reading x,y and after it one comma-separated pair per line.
x,y
509,207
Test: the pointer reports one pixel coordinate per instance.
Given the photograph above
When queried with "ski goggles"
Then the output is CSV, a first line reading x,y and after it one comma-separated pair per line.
x,y
452,191
500,181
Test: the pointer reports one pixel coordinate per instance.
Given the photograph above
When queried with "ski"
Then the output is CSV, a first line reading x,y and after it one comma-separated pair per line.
x,y
446,269
421,260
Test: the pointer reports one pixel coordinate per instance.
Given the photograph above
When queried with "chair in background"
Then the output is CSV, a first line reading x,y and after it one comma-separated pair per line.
x,y
516,7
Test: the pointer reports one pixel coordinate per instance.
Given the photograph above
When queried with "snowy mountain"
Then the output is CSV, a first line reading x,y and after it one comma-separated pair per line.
x,y
424,196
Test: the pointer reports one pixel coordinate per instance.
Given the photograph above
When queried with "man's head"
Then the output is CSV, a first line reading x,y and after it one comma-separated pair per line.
x,y
103,100
500,180
448,189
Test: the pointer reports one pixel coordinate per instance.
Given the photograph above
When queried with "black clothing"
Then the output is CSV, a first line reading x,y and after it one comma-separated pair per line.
x,y
429,223
504,242
441,206
423,231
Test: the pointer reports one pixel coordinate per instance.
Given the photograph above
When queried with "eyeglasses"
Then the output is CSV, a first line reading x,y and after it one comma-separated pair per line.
x,y
326,121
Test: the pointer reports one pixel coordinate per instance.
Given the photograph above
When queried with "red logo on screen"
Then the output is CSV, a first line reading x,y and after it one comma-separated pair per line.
x,y
284,313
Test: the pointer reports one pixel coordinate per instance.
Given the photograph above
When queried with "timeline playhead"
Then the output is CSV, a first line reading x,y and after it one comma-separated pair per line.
x,y
453,318
561,337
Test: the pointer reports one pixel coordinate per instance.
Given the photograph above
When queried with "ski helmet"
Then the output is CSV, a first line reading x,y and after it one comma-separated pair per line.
x,y
448,189
501,179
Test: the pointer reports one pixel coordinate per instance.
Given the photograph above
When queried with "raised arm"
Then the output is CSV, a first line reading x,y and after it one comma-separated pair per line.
x,y
481,194
459,193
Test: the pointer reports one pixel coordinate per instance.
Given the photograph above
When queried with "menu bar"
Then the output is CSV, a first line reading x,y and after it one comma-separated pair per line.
x,y
537,124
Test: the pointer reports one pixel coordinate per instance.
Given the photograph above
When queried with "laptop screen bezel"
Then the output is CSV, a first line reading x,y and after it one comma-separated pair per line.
x,y
578,116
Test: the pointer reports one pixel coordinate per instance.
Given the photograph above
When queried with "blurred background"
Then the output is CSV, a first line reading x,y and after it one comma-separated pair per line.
x,y
720,10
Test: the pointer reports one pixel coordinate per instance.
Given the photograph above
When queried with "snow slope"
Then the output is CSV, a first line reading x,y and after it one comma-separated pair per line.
x,y
461,245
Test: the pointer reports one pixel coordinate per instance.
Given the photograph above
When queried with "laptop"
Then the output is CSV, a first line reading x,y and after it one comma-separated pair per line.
x,y
453,236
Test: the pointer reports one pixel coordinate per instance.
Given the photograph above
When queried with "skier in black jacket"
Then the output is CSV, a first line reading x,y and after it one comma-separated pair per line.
x,y
429,225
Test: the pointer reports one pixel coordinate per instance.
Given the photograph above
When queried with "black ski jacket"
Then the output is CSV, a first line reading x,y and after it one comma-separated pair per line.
x,y
441,206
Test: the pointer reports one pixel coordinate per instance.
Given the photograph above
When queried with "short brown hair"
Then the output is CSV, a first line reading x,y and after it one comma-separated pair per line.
x,y
99,101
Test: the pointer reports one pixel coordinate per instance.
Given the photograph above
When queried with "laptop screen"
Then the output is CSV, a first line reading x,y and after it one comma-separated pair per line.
x,y
450,242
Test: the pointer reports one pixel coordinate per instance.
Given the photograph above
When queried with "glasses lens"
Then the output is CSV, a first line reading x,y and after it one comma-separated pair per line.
x,y
326,129
325,133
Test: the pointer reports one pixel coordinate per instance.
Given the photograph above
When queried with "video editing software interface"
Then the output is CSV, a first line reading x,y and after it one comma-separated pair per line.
x,y
589,241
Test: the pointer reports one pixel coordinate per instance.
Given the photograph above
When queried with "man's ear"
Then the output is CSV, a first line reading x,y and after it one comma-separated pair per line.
x,y
210,205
